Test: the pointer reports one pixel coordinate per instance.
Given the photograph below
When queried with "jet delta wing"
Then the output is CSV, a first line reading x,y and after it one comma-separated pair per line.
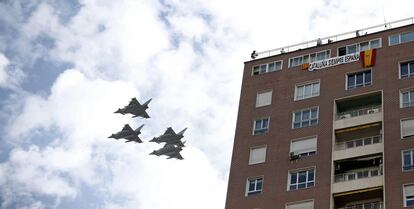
x,y
135,108
169,150
170,137
128,133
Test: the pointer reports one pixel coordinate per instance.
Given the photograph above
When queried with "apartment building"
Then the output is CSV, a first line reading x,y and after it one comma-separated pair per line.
x,y
328,124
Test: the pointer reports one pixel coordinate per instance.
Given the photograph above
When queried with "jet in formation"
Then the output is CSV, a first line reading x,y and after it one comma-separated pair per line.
x,y
135,108
170,137
129,134
173,144
170,150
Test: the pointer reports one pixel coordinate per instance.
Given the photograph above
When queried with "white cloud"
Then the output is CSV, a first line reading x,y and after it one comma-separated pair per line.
x,y
186,55
4,77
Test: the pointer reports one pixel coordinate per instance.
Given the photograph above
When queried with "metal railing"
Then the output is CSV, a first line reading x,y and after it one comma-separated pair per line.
x,y
371,205
358,142
338,37
358,174
358,112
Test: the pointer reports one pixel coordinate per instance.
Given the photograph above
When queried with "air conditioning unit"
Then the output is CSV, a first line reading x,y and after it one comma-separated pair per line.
x,y
292,156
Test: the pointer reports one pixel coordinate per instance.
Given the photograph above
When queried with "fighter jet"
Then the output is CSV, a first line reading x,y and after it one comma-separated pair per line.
x,y
135,108
169,150
128,134
170,137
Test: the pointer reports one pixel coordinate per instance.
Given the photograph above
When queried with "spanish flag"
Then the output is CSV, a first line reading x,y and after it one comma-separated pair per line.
x,y
368,57
305,66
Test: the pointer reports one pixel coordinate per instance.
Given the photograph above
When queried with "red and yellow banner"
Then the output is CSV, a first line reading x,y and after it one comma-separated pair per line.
x,y
368,57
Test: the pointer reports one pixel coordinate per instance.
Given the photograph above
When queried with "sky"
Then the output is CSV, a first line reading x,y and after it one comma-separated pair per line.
x,y
66,66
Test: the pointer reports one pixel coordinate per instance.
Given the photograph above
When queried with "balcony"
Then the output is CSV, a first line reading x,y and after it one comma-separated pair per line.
x,y
358,110
358,173
357,141
370,205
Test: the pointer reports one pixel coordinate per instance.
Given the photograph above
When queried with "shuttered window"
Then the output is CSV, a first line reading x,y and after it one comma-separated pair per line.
x,y
409,195
303,205
257,155
303,147
407,128
264,99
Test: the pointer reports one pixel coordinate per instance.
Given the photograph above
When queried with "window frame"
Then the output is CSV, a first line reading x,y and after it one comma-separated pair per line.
x,y
356,72
303,84
401,129
258,147
358,46
328,54
310,117
412,159
254,126
409,68
297,171
399,38
308,154
410,100
404,196
254,192
262,92
267,67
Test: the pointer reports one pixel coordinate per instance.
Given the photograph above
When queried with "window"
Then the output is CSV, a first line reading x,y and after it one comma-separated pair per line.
x,y
254,186
303,147
401,38
406,69
301,179
305,118
407,128
308,58
308,90
268,67
408,160
354,48
408,195
359,79
302,205
407,98
264,98
257,155
261,126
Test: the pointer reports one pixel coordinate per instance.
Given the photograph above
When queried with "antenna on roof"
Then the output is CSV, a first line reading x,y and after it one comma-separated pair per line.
x,y
385,21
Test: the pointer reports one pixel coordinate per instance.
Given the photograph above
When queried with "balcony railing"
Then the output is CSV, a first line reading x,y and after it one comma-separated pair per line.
x,y
371,205
358,142
358,174
359,112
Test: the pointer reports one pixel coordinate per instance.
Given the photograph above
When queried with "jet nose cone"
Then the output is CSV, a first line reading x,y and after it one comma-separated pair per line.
x,y
118,111
111,136
152,153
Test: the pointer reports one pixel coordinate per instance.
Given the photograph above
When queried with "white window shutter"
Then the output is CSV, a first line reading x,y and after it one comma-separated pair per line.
x,y
304,205
257,155
409,190
407,127
303,146
263,99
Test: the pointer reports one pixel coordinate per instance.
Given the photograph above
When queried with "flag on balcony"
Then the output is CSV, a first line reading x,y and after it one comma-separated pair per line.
x,y
368,57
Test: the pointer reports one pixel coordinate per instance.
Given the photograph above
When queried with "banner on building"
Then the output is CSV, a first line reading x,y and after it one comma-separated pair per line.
x,y
334,61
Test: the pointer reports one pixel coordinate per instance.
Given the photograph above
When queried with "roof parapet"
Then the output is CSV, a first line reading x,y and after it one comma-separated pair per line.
x,y
331,39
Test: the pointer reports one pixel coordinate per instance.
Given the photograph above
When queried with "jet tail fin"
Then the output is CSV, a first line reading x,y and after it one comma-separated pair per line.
x,y
182,132
147,102
139,128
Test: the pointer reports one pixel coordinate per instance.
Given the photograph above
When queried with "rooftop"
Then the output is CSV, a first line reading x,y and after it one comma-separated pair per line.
x,y
333,38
